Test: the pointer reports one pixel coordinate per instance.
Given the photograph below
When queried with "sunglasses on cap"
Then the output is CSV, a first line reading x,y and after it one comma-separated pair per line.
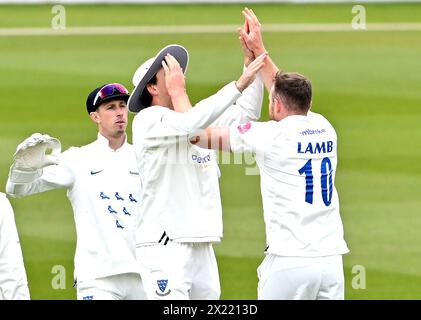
x,y
110,90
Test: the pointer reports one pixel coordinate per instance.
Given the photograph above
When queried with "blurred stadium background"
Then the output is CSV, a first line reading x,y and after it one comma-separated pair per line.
x,y
368,83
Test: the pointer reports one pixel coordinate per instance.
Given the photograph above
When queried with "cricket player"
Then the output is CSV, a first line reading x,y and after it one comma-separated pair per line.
x,y
13,281
103,186
296,152
180,204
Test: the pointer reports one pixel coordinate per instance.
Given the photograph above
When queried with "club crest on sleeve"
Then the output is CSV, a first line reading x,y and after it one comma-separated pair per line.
x,y
162,285
243,128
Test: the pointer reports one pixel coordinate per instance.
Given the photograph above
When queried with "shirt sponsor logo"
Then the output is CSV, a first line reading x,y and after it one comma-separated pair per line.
x,y
199,159
134,173
162,285
312,131
88,298
243,128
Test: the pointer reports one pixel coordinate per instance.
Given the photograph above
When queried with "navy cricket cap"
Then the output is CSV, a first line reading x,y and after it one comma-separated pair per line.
x,y
105,93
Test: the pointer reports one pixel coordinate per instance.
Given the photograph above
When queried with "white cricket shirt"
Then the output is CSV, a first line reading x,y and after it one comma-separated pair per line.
x,y
104,190
13,281
297,158
180,180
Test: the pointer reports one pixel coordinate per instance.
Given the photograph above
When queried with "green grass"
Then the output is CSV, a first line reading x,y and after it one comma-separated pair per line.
x,y
367,83
91,15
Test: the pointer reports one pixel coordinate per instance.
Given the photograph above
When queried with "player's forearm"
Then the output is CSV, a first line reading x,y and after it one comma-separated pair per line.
x,y
268,72
208,110
216,138
23,183
180,101
251,101
205,112
247,108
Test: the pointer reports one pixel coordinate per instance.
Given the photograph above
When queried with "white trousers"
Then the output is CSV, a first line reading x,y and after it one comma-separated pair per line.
x,y
179,271
301,278
126,286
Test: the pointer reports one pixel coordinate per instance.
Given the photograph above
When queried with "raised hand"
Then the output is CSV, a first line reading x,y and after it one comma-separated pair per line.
x,y
251,33
248,54
250,74
31,154
176,84
252,37
174,76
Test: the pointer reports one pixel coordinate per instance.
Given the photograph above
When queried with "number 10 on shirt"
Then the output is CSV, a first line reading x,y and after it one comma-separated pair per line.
x,y
326,175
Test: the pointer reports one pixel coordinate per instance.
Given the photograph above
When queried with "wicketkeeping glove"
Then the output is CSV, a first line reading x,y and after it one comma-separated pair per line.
x,y
31,154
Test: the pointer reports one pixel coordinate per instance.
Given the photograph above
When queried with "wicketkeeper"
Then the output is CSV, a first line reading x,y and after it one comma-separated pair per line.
x,y
103,186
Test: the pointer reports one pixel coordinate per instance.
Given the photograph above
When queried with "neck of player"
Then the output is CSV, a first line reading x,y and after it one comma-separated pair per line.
x,y
116,141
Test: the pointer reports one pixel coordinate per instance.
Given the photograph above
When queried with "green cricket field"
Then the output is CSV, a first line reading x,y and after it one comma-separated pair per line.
x,y
366,82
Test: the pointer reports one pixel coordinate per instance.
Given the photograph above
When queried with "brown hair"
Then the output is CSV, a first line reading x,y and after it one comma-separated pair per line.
x,y
294,90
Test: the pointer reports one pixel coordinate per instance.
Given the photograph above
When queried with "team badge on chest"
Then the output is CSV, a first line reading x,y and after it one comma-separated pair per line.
x,y
162,285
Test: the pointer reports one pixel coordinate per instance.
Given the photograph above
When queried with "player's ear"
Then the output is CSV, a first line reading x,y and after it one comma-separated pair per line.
x,y
278,106
152,89
94,116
